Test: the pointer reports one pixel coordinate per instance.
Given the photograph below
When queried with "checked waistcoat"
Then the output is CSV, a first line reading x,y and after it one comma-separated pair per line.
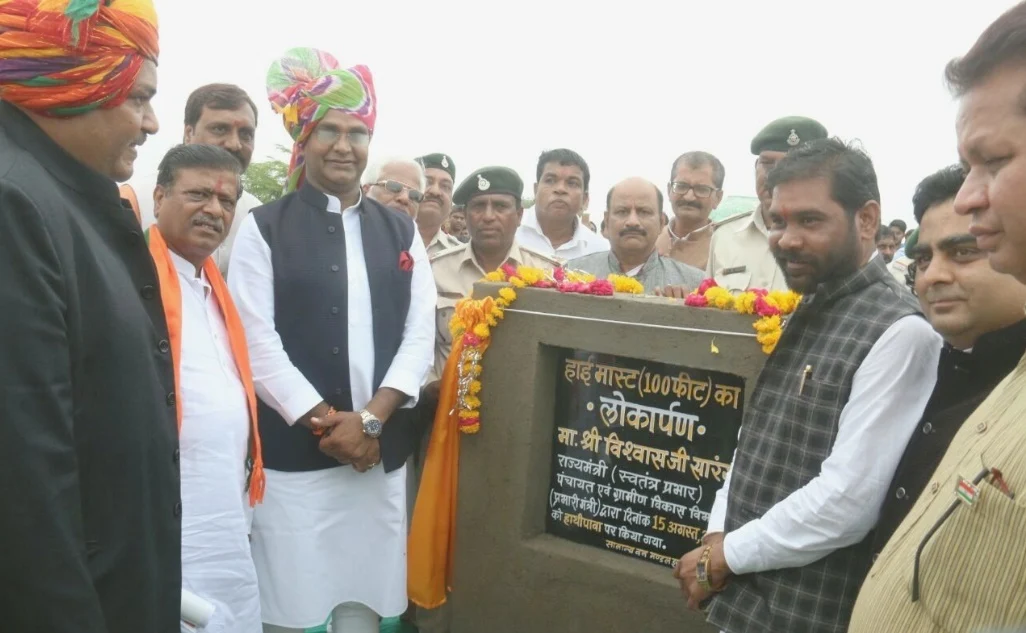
x,y
787,432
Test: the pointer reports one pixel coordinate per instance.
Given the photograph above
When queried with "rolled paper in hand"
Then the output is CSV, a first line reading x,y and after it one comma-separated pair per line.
x,y
195,610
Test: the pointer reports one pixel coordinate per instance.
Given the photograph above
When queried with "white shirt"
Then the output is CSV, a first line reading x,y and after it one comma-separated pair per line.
x,y
584,241
839,507
278,382
144,186
327,537
216,561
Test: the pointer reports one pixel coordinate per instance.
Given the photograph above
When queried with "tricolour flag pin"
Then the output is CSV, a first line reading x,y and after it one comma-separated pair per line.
x,y
967,492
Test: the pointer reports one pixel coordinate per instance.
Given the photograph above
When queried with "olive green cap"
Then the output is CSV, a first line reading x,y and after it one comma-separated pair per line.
x,y
911,241
489,180
787,133
439,161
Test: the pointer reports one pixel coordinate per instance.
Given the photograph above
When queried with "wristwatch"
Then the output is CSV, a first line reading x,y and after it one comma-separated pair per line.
x,y
371,424
702,569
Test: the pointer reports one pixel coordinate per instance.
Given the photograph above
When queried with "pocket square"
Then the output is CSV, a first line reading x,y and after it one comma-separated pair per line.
x,y
405,261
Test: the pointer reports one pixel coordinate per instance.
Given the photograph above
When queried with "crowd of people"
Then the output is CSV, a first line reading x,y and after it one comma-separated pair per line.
x,y
201,393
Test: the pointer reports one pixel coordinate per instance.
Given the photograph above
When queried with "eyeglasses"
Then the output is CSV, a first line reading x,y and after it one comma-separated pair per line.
x,y
701,191
396,187
330,136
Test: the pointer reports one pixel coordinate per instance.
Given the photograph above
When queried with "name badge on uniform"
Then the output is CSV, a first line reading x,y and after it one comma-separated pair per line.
x,y
735,269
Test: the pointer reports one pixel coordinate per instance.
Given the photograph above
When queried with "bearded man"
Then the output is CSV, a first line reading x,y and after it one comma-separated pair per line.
x,y
789,537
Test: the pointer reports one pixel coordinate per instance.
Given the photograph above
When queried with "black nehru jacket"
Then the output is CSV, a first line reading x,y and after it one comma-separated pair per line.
x,y
964,380
90,526
308,256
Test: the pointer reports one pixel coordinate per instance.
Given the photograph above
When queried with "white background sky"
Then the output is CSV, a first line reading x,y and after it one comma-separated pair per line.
x,y
629,86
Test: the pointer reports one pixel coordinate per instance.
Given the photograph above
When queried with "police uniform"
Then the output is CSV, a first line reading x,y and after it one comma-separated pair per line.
x,y
740,257
441,241
456,271
739,252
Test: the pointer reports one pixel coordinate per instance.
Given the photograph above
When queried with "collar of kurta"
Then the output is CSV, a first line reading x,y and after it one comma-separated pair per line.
x,y
999,348
581,232
320,200
875,270
53,158
617,269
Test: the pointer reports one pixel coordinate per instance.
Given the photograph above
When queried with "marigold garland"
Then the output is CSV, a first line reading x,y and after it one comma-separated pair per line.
x,y
474,319
769,305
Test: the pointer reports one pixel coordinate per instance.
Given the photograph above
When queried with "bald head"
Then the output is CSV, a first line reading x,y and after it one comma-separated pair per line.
x,y
634,212
635,183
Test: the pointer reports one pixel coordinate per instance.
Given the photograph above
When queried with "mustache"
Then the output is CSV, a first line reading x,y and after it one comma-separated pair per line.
x,y
432,197
208,220
792,257
639,232
934,294
689,204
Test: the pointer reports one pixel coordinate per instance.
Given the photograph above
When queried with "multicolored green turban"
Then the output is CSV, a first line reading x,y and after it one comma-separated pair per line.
x,y
304,85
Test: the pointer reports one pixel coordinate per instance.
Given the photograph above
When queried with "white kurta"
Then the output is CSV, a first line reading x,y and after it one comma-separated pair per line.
x,y
840,506
328,537
216,560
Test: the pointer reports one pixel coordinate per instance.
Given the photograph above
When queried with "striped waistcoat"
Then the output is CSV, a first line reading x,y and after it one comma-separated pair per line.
x,y
787,433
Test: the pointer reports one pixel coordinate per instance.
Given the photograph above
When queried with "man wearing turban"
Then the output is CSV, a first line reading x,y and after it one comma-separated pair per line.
x,y
336,294
89,476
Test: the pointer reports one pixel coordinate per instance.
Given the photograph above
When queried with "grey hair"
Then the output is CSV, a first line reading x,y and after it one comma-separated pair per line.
x,y
373,171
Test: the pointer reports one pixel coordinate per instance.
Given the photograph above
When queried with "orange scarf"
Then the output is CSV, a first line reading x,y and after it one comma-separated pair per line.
x,y
433,529
171,296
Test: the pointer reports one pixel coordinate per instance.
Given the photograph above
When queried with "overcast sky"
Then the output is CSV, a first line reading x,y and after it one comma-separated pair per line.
x,y
629,87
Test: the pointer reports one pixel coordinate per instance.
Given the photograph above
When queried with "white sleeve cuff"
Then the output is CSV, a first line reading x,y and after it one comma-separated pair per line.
x,y
300,402
740,553
404,381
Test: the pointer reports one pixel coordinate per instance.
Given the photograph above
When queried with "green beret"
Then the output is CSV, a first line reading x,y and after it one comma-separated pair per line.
x,y
489,180
911,242
786,133
439,161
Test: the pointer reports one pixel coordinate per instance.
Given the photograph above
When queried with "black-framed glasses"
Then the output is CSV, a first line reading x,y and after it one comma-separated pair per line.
x,y
330,136
396,187
700,191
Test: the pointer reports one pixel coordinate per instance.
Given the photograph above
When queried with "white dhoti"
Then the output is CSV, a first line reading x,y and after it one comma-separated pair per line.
x,y
329,537
213,444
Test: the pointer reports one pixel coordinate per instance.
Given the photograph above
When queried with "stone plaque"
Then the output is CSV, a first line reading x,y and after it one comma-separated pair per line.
x,y
640,449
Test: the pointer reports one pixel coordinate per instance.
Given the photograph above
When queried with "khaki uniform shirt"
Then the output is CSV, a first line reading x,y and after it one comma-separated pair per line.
x,y
971,568
899,267
740,257
442,241
456,271
693,251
